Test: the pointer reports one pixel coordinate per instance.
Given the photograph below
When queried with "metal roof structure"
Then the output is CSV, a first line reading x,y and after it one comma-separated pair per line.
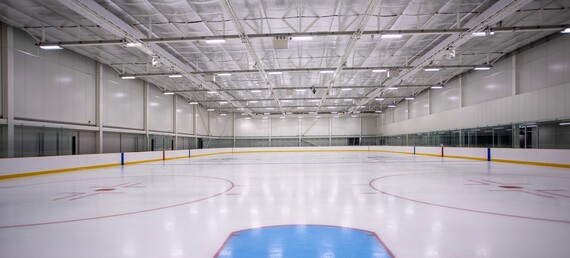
x,y
284,57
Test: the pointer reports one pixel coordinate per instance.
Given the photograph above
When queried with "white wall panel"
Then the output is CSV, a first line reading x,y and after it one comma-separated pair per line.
x,y
482,86
520,108
369,125
544,66
419,106
401,111
285,127
122,101
543,94
52,85
160,115
221,125
447,98
252,127
184,116
387,117
201,120
346,126
315,127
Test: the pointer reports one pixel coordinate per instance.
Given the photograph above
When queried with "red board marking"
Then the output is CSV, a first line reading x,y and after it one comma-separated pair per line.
x,y
556,190
231,186
371,184
521,191
105,189
510,186
69,196
134,185
499,183
477,182
93,194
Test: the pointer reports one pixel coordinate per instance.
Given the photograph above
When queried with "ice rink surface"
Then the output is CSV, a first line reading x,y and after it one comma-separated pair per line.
x,y
418,206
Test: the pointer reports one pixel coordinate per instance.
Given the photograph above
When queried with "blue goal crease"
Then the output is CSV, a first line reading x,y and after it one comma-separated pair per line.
x,y
304,241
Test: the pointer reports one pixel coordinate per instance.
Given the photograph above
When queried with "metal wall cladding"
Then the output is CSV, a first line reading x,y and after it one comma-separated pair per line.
x,y
54,86
160,111
123,101
184,116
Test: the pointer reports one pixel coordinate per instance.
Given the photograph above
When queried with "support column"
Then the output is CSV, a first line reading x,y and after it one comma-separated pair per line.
x,y
330,130
429,101
194,121
234,129
99,107
514,85
270,130
460,91
145,114
8,87
174,122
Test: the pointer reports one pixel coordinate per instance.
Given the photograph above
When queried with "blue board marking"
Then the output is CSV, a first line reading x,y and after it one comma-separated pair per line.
x,y
304,241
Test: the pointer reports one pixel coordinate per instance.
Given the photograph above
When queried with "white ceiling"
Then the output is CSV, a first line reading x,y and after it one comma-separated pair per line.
x,y
359,44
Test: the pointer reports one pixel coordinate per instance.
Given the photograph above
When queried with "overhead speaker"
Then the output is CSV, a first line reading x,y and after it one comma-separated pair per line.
x,y
393,73
281,42
210,78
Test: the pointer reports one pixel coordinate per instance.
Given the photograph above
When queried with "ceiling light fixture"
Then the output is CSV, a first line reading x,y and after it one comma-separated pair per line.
x,y
175,76
346,89
564,123
224,74
326,71
49,46
393,88
483,33
301,38
431,69
193,103
437,87
212,92
410,98
223,114
567,30
255,91
168,93
223,102
210,109
215,41
391,36
248,118
274,73
391,106
128,77
133,44
379,70
300,90
379,99
252,101
378,111
482,68
300,107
